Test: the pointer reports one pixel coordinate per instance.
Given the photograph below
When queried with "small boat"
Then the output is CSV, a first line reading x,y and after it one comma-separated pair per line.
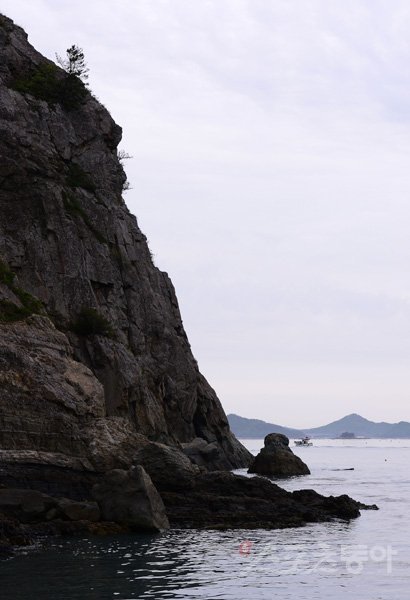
x,y
304,441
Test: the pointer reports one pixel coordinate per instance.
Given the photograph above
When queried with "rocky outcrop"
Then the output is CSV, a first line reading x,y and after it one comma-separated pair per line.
x,y
104,414
168,467
130,498
196,498
53,404
71,251
222,500
30,506
203,454
276,459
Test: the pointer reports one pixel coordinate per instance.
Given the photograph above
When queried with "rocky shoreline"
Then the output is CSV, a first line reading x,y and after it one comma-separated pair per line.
x,y
216,500
163,489
106,423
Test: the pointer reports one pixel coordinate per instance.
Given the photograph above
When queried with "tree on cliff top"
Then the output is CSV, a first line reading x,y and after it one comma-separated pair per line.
x,y
74,63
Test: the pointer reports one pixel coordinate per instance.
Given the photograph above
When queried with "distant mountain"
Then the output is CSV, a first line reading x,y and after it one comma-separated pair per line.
x,y
361,427
254,428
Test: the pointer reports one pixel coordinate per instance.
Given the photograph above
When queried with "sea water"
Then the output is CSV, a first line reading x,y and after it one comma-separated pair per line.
x,y
366,559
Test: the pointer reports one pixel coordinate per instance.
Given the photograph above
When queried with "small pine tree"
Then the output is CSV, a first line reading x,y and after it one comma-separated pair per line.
x,y
74,63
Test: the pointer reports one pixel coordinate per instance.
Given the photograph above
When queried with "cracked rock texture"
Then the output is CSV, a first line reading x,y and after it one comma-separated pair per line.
x,y
72,399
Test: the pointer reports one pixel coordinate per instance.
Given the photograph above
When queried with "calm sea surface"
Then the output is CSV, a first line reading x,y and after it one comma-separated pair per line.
x,y
367,559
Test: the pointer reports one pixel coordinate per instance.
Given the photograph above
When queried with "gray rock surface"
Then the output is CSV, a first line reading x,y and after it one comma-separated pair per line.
x,y
203,454
168,467
130,498
52,406
276,459
68,244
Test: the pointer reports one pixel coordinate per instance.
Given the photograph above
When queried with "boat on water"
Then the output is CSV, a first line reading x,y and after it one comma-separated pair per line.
x,y
305,441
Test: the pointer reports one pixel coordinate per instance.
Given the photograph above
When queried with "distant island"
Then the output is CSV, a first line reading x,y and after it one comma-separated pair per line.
x,y
347,435
354,425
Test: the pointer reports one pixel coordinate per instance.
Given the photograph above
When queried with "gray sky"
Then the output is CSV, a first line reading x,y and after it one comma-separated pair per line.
x,y
270,172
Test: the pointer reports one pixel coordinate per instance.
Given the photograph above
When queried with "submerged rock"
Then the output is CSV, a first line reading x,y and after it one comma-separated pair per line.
x,y
276,459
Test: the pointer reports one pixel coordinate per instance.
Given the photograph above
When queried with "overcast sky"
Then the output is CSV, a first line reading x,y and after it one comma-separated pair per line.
x,y
271,174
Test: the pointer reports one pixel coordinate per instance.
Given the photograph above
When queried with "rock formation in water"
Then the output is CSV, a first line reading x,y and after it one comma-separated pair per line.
x,y
97,377
276,459
226,500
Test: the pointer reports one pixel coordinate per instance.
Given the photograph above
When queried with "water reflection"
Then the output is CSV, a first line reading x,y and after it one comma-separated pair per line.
x,y
305,563
180,564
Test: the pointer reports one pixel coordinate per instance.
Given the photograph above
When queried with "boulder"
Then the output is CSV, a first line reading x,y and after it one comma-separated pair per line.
x,y
130,498
167,466
79,511
276,459
25,505
205,454
31,506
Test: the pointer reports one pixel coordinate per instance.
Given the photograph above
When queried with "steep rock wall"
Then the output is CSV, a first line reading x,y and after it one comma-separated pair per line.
x,y
68,240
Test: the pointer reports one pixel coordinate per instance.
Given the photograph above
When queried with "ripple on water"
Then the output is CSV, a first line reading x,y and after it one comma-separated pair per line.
x,y
304,563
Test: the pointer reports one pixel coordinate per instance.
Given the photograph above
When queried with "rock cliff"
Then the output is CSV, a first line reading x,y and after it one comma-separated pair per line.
x,y
109,359
104,415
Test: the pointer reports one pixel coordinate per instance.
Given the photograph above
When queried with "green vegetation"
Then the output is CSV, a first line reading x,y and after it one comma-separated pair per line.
x,y
74,63
74,208
123,155
90,322
42,83
10,312
46,83
78,178
6,274
29,304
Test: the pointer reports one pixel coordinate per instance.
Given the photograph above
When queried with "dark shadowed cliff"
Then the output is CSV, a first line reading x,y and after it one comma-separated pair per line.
x,y
71,251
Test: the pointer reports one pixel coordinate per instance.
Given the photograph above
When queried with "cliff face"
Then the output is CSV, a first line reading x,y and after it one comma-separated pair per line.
x,y
105,420
108,364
